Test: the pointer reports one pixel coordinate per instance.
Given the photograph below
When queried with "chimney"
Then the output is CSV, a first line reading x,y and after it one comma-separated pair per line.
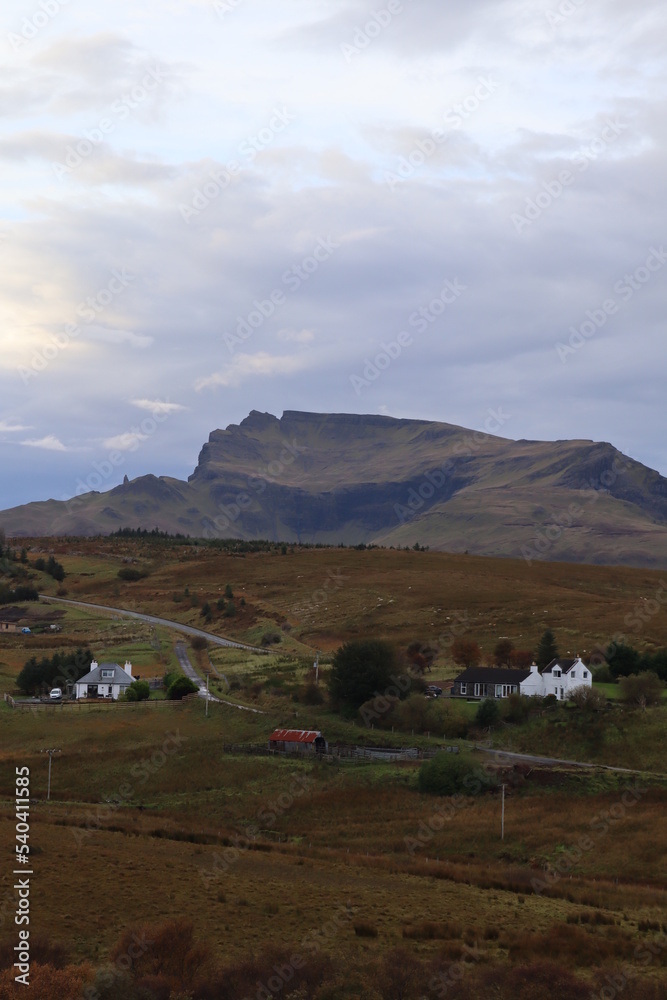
x,y
128,667
94,665
534,669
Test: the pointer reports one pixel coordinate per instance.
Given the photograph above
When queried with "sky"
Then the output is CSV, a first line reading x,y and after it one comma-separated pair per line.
x,y
419,208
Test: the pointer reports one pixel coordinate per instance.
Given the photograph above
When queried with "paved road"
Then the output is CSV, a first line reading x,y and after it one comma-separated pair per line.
x,y
189,671
151,619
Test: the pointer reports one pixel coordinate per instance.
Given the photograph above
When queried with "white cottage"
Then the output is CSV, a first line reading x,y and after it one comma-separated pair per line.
x,y
560,678
105,680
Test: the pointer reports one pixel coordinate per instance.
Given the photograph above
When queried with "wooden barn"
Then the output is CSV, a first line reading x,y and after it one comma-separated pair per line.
x,y
297,741
8,627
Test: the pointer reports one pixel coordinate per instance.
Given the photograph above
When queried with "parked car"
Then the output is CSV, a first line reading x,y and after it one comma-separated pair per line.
x,y
26,631
433,691
55,694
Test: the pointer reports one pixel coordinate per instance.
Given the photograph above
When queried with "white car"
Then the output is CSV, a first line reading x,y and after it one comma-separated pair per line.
x,y
55,694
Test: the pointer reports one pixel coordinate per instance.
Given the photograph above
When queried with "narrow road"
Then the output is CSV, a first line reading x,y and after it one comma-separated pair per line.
x,y
555,761
189,671
152,620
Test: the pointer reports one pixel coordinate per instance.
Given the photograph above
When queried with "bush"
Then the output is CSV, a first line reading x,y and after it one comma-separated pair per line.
x,y
488,713
131,575
138,691
517,708
311,694
181,687
448,774
642,689
589,699
269,638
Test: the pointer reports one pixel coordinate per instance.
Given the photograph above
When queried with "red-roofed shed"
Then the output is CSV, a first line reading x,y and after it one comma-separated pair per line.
x,y
297,741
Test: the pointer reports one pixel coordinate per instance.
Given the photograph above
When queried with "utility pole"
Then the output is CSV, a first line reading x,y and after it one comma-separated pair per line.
x,y
207,674
50,753
502,815
317,667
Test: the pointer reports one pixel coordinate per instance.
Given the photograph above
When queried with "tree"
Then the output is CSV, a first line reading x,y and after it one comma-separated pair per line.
x,y
522,658
138,691
229,593
181,687
466,652
642,689
547,649
361,669
488,713
503,652
623,659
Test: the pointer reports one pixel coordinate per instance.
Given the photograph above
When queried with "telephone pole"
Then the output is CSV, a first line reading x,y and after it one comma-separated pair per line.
x,y
50,753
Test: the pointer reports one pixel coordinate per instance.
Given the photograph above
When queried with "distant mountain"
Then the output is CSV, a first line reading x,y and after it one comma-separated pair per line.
x,y
346,478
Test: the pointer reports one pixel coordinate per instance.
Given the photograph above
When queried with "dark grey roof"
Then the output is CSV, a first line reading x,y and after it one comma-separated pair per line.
x,y
492,675
565,666
95,676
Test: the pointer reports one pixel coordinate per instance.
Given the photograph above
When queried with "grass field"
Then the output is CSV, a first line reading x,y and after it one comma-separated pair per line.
x,y
151,820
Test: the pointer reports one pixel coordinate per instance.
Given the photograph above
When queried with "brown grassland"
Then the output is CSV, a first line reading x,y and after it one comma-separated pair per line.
x,y
152,821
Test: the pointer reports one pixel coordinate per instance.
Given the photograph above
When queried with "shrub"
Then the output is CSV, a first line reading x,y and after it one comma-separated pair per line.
x,y
138,691
311,694
181,687
517,708
642,689
270,637
448,774
199,642
488,713
588,699
131,575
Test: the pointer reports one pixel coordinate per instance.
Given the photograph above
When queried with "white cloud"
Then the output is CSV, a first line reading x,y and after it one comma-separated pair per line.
x,y
158,406
48,443
128,441
246,366
297,336
9,427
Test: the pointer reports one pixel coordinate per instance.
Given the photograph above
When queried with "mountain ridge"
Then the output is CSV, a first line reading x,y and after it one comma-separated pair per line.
x,y
373,479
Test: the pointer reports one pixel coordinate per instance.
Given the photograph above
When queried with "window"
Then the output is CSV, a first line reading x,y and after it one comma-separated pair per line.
x,y
585,675
476,690
464,688
573,674
556,672
107,673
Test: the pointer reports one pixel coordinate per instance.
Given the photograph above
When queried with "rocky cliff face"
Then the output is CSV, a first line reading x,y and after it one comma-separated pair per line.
x,y
351,478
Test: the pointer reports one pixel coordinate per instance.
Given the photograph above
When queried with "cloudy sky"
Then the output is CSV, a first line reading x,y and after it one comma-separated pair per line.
x,y
213,206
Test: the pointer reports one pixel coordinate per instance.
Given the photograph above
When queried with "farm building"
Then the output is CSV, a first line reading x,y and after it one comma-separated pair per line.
x,y
298,741
560,678
8,627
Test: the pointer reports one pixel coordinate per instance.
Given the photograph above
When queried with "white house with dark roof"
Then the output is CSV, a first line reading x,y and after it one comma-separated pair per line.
x,y
560,678
105,680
